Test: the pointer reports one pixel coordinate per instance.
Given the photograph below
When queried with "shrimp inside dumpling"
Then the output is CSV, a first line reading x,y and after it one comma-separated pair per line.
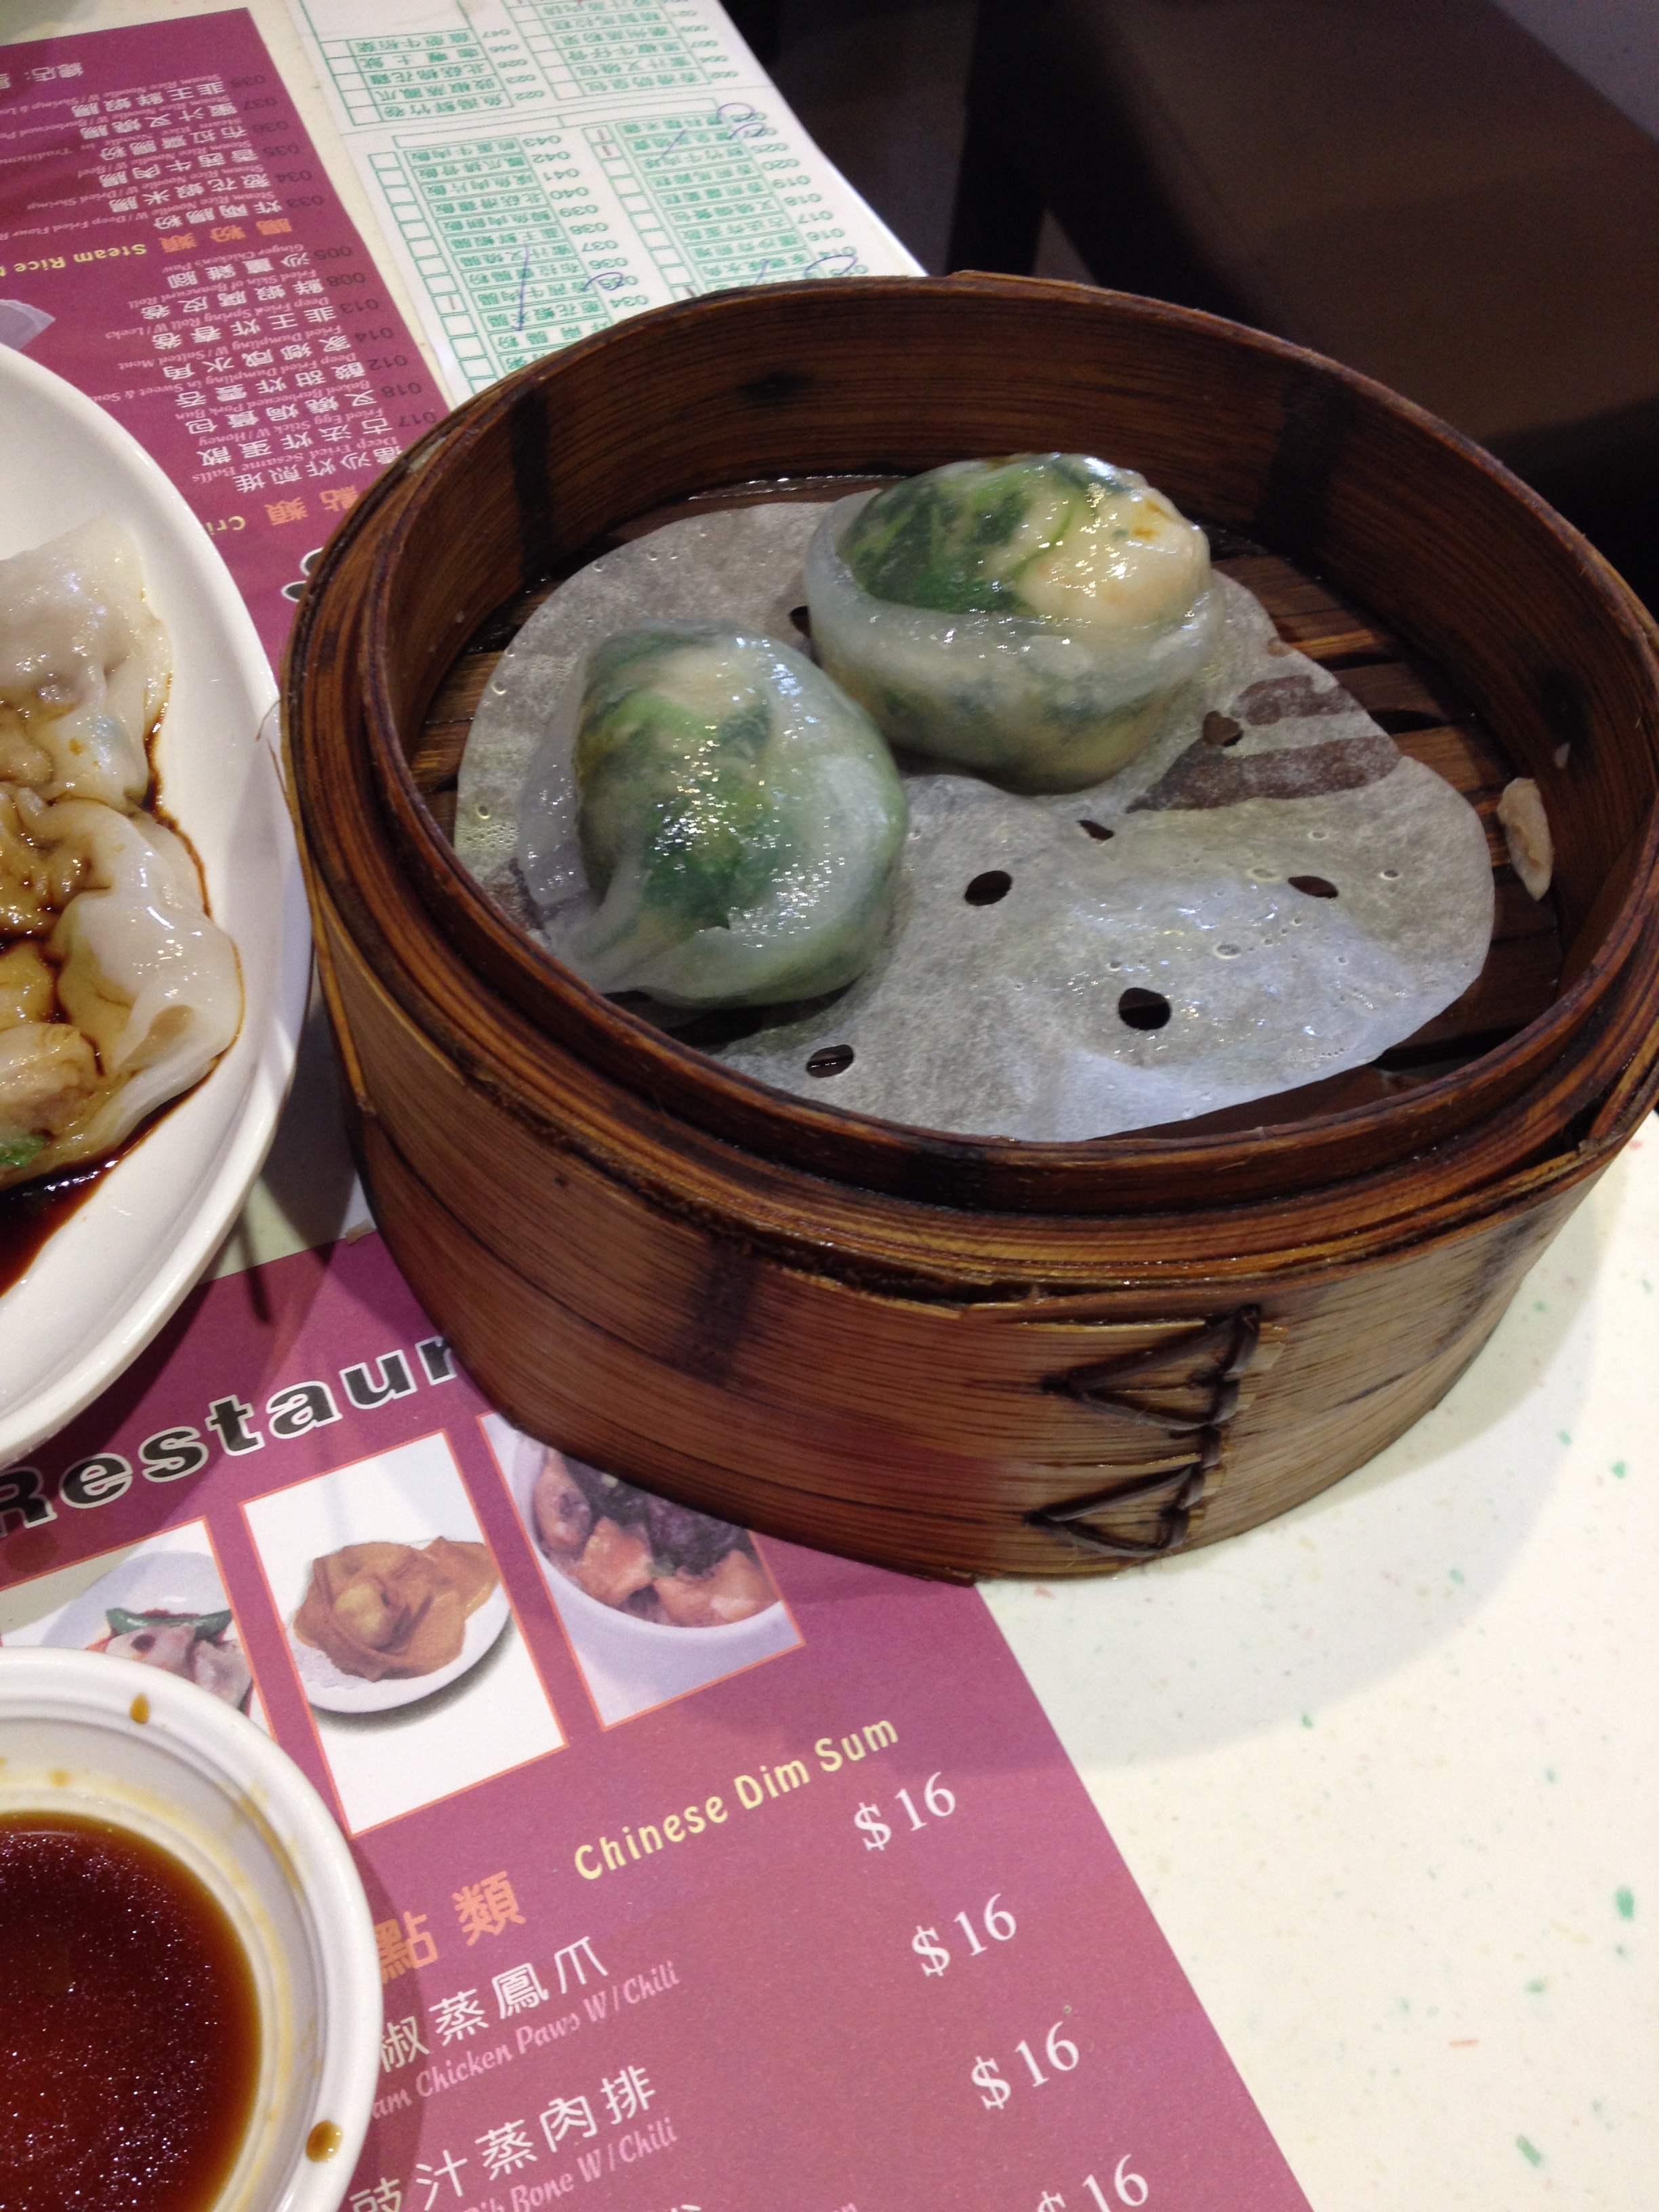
x,y
83,667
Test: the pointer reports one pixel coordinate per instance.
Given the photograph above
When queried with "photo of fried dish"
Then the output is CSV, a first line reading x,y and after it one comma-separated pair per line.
x,y
197,1647
400,1631
391,1612
645,1555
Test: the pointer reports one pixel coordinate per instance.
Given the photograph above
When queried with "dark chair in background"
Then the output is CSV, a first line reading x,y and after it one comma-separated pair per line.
x,y
1415,187
760,22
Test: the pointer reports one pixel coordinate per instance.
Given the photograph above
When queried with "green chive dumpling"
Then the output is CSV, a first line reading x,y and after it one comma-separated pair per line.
x,y
740,821
1030,619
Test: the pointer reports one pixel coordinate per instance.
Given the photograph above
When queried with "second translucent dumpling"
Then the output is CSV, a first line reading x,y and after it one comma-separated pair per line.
x,y
1029,619
740,821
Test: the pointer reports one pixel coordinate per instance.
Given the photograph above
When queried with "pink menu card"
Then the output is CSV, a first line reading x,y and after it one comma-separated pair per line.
x,y
806,1906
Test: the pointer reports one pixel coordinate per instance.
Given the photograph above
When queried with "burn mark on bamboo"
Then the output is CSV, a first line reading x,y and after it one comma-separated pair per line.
x,y
1320,414
776,390
936,1176
1566,707
719,1311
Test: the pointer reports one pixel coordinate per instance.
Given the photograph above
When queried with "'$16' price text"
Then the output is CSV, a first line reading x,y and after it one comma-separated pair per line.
x,y
1000,1925
1059,2050
941,1803
877,1833
1128,2188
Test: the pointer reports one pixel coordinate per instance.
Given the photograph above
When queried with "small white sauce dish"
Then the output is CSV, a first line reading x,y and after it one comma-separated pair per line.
x,y
105,1739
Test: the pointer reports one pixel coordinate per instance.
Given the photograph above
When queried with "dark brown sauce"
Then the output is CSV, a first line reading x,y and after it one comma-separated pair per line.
x,y
129,2024
31,1211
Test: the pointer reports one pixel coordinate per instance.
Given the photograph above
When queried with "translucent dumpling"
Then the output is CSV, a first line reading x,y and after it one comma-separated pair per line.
x,y
83,667
150,986
739,820
1029,619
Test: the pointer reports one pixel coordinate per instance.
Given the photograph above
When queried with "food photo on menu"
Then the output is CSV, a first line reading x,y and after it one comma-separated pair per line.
x,y
399,1631
657,1599
161,1604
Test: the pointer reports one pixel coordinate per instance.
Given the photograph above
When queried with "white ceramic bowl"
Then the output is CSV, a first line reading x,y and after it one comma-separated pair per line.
x,y
203,1782
110,1275
632,1665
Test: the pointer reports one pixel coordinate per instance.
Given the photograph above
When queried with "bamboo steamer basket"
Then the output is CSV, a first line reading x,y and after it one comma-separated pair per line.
x,y
952,1355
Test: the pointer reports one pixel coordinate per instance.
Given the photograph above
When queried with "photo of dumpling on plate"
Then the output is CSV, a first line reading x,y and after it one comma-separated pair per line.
x,y
656,1598
161,1604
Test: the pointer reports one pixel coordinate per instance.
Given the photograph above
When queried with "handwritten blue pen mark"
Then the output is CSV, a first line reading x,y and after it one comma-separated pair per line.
x,y
524,281
741,121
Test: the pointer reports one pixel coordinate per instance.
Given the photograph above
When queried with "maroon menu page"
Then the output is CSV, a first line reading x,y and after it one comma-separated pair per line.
x,y
707,1871
170,243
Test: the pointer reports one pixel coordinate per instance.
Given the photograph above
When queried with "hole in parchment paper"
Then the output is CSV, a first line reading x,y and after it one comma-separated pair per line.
x,y
802,618
1221,729
1098,831
1144,1009
985,890
832,1060
1313,886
